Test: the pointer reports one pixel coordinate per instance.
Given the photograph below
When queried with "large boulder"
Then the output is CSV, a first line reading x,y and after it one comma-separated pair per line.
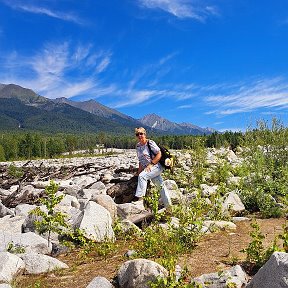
x,y
24,209
233,203
68,201
207,190
12,224
36,263
96,222
221,225
273,274
134,212
107,202
100,282
235,277
10,266
173,191
28,241
139,272
4,211
4,285
123,192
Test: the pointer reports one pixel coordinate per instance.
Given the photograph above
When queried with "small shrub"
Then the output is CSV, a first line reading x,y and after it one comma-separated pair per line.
x,y
256,255
15,248
51,221
15,172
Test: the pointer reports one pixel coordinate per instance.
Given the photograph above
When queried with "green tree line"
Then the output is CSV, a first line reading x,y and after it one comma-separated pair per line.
x,y
16,146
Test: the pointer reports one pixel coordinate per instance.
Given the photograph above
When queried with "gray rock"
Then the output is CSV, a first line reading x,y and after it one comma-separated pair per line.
x,y
234,276
137,273
12,224
129,210
233,203
89,194
24,209
4,211
173,191
130,253
223,225
69,201
100,282
10,266
239,219
208,190
71,190
96,222
29,223
5,286
129,227
274,274
29,241
36,263
83,181
99,186
107,202
4,193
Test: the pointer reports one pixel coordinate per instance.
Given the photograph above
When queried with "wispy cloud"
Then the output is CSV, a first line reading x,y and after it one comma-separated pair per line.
x,y
182,8
138,96
30,8
262,93
57,71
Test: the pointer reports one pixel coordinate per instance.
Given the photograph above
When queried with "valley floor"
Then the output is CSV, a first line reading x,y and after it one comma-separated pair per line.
x,y
214,253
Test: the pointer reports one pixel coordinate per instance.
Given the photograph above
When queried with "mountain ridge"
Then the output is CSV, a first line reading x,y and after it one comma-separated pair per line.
x,y
155,121
86,116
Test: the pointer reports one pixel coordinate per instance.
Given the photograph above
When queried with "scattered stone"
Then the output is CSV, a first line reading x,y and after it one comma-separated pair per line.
x,y
10,266
107,202
100,282
208,190
96,222
130,253
137,273
233,203
273,274
12,224
29,241
36,263
234,276
222,225
4,211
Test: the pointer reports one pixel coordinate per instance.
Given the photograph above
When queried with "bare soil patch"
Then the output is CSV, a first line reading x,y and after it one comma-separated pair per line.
x,y
215,252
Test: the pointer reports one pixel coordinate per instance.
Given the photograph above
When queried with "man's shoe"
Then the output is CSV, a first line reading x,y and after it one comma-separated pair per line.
x,y
137,199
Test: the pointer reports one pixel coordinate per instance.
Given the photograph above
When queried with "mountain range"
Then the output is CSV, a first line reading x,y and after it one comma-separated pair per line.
x,y
22,108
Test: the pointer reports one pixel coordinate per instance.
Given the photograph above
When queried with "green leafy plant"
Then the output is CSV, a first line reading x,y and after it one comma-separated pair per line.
x,y
256,254
172,280
15,172
284,237
15,248
152,200
50,221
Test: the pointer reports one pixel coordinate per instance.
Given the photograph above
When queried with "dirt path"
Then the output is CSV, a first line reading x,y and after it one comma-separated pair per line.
x,y
222,249
215,252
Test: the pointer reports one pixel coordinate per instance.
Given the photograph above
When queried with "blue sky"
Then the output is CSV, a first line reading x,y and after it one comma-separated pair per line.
x,y
213,63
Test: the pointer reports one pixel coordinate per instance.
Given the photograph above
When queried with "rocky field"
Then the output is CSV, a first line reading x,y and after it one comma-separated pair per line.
x,y
93,195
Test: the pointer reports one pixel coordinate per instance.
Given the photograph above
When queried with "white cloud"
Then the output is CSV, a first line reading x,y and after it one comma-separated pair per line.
x,y
103,64
263,93
136,97
182,8
57,71
65,16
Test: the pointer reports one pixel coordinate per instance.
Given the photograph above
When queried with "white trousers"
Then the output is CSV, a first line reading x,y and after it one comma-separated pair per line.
x,y
155,176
